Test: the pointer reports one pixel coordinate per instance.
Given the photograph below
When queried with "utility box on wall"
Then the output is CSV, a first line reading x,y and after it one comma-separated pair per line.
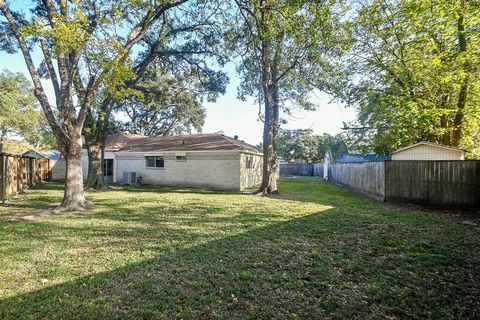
x,y
129,177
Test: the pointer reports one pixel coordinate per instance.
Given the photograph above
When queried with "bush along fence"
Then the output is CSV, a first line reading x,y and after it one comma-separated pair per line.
x,y
437,183
18,173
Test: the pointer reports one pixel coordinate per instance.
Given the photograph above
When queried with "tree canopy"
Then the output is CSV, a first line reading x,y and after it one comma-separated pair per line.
x,y
19,111
166,107
415,73
302,144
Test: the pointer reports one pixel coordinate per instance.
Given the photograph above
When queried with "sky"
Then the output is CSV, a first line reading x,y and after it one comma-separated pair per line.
x,y
236,117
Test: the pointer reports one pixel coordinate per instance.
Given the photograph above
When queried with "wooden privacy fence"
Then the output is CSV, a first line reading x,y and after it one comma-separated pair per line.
x,y
366,177
296,169
318,169
443,183
18,173
301,169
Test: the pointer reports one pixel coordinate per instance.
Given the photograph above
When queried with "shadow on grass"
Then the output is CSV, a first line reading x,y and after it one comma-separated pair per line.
x,y
350,261
322,265
303,189
166,189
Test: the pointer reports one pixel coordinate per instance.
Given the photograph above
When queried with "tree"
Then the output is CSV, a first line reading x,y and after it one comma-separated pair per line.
x,y
19,114
90,43
182,46
283,45
302,144
415,73
164,109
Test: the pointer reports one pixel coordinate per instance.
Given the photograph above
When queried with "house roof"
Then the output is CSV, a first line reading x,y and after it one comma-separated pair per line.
x,y
427,143
194,142
362,158
120,140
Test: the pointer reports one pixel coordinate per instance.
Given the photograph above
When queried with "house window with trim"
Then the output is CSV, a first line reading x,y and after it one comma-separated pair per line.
x,y
181,158
154,162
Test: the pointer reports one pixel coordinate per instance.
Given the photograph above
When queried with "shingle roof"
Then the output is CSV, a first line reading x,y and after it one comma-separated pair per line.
x,y
194,142
52,154
120,140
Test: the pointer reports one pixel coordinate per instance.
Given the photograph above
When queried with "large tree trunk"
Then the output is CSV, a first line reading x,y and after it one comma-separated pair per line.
x,y
269,174
73,198
95,178
271,78
95,132
462,96
458,120
270,132
269,178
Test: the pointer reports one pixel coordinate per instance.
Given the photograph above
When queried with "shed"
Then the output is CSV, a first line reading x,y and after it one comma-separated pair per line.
x,y
52,154
425,150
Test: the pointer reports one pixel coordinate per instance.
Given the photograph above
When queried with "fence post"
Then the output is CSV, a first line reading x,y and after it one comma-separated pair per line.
x,y
6,178
2,175
19,175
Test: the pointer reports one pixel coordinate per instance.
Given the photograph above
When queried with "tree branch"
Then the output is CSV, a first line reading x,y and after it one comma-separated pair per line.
x,y
51,69
39,91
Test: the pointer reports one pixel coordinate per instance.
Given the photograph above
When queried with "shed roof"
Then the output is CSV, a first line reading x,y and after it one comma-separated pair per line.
x,y
427,143
195,142
52,154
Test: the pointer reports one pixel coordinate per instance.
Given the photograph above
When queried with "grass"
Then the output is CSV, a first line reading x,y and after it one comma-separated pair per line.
x,y
320,251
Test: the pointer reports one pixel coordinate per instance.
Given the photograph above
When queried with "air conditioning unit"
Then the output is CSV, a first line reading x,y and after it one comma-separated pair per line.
x,y
129,178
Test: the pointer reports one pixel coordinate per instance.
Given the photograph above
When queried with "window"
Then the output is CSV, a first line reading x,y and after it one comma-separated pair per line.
x,y
249,163
108,168
181,158
154,162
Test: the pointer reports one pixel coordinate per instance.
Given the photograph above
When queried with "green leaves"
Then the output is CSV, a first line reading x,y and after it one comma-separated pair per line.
x,y
302,144
166,106
19,113
410,63
306,38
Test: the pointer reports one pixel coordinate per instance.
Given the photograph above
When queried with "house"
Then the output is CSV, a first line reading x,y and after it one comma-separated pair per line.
x,y
428,151
348,158
212,161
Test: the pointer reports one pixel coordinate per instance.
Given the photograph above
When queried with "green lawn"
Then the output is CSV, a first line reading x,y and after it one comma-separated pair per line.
x,y
320,251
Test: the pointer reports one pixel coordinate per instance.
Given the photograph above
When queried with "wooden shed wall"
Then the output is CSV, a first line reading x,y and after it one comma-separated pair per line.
x,y
18,173
428,152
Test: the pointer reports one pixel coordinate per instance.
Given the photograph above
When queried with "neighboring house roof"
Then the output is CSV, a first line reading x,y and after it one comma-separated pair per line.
x,y
51,154
362,158
120,140
194,142
442,146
